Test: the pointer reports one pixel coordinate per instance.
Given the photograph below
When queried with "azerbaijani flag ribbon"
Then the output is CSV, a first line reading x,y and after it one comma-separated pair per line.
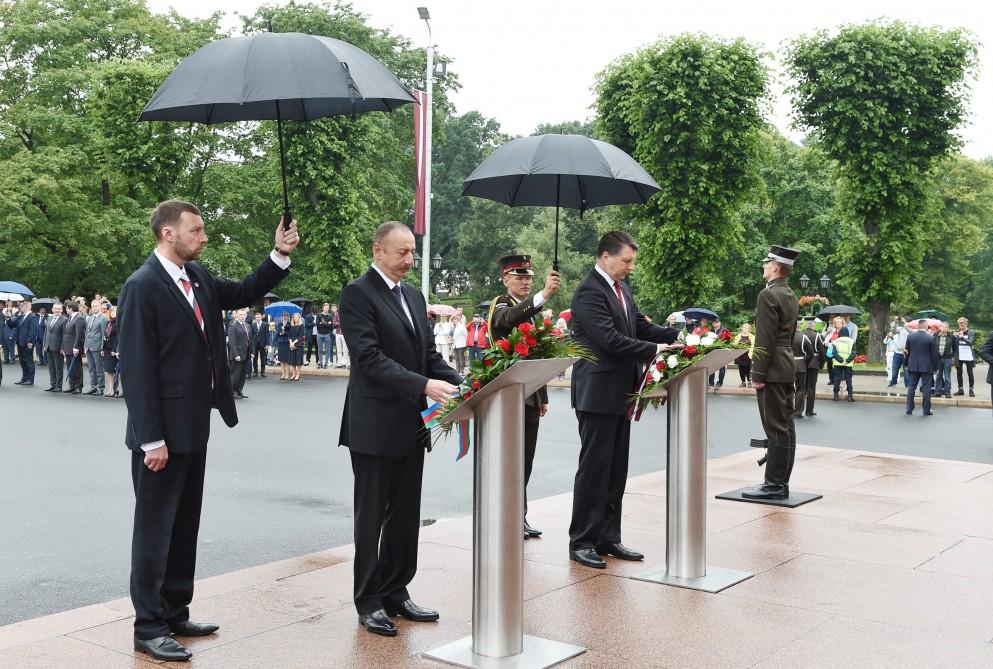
x,y
463,438
431,414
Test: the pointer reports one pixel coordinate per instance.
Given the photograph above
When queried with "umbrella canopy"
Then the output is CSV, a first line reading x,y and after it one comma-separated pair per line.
x,y
838,310
698,313
566,314
14,287
276,309
14,297
676,316
46,302
301,300
931,323
275,76
270,296
929,313
485,304
570,171
441,309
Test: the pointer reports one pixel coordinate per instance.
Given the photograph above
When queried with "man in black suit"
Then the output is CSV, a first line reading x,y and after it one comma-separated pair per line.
x,y
172,353
239,352
259,332
53,345
394,365
72,348
606,320
922,358
25,326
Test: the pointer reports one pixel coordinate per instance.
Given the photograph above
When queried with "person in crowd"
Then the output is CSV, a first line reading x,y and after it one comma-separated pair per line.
x,y
460,336
832,332
325,333
39,344
172,352
800,354
53,343
259,334
477,338
443,338
606,320
111,364
283,343
986,353
395,364
773,372
310,325
340,344
901,332
889,348
813,352
965,356
73,338
95,324
7,336
296,335
507,311
25,326
273,344
743,361
853,328
239,352
842,352
922,357
947,348
718,329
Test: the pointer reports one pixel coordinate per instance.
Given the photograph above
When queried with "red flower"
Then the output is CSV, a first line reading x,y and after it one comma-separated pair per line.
x,y
660,365
524,328
701,330
476,385
488,362
522,349
725,335
467,394
531,341
547,322
557,332
689,351
503,345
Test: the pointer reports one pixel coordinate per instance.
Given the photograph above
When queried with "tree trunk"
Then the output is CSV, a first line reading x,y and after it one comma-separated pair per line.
x,y
105,192
879,313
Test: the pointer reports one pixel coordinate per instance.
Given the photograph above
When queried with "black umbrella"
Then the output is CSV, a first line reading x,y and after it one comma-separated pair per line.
x,y
46,302
301,300
838,310
275,76
696,313
928,313
570,171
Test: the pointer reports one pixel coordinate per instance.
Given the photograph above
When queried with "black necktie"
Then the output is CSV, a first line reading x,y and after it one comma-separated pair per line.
x,y
399,296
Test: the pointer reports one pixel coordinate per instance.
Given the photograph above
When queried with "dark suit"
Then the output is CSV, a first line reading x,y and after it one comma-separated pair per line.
x,y
72,338
175,374
53,344
392,361
813,352
26,335
260,340
623,341
986,353
922,358
239,346
507,313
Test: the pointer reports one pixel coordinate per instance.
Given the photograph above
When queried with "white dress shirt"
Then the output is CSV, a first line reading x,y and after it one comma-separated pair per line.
x,y
611,283
390,283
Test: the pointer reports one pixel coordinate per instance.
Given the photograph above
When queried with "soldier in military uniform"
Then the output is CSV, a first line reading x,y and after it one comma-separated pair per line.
x,y
799,372
773,372
813,353
507,312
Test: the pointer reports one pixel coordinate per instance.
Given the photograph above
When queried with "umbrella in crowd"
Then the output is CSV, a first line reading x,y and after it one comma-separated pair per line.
x,y
277,309
485,304
677,316
46,302
566,315
699,313
271,296
570,171
301,301
13,297
18,289
838,310
275,76
928,313
441,309
931,323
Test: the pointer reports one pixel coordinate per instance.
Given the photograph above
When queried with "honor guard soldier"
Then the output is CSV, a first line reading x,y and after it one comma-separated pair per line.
x,y
773,372
507,312
813,352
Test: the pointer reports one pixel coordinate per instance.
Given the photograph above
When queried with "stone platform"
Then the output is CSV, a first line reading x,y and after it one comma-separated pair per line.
x,y
893,568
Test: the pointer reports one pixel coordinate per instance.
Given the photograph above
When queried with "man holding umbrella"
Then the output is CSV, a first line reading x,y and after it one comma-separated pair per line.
x,y
172,352
507,312
25,327
773,373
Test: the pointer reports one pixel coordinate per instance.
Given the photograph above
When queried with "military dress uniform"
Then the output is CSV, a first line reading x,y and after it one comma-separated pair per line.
x,y
773,365
799,373
506,313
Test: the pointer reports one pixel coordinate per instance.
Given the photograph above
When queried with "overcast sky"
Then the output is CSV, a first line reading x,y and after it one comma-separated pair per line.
x,y
530,62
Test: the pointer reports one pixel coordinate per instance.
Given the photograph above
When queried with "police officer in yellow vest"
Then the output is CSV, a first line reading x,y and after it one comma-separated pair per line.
x,y
507,312
773,372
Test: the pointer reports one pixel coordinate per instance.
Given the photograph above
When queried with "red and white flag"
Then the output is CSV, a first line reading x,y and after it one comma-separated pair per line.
x,y
420,159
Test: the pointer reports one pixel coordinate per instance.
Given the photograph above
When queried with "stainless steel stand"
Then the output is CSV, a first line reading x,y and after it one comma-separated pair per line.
x,y
498,640
686,484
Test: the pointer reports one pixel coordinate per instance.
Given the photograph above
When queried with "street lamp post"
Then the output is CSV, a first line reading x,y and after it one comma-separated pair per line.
x,y
429,72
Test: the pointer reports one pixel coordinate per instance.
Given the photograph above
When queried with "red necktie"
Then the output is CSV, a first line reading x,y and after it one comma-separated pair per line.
x,y
196,305
620,297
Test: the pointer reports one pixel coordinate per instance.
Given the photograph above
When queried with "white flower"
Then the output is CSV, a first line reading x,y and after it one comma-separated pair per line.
x,y
708,339
656,374
692,340
672,361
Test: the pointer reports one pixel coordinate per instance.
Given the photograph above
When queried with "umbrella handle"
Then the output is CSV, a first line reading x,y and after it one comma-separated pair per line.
x,y
287,215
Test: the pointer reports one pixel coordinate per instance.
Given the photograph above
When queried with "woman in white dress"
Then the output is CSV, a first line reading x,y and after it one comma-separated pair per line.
x,y
443,338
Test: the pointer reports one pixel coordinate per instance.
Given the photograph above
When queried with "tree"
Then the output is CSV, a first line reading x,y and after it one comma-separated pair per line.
x,y
883,100
688,109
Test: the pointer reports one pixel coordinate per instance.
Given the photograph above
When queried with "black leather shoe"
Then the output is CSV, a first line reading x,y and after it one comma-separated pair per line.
x,y
188,628
811,413
77,391
798,416
92,391
972,393
588,558
960,392
49,389
767,491
530,532
619,550
910,413
163,648
928,413
378,622
411,611
19,383
56,389
851,399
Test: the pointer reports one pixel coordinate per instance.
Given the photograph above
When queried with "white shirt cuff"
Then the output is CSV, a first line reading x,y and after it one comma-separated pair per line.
x,y
283,262
152,445
539,299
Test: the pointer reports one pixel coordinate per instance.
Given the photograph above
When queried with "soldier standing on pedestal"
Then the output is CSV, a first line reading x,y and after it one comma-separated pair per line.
x,y
507,312
773,372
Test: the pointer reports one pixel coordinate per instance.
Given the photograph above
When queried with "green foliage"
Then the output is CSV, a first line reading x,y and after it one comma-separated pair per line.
x,y
688,109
